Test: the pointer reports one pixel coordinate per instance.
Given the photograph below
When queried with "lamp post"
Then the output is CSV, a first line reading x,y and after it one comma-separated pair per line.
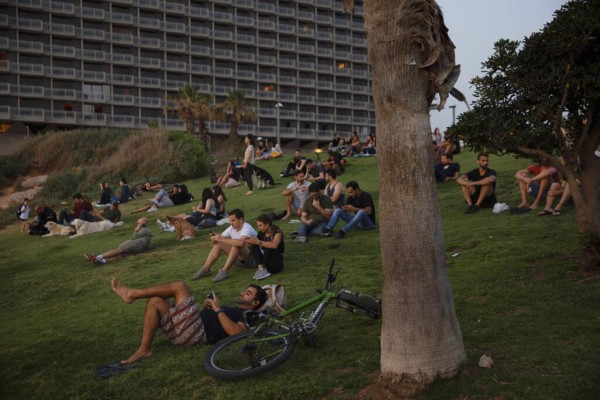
x,y
277,107
453,107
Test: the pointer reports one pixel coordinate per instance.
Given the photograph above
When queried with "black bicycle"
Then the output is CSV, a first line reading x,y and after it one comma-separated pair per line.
x,y
270,339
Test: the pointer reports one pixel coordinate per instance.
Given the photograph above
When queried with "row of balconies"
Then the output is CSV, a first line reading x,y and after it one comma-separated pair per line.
x,y
178,47
30,115
60,8
145,101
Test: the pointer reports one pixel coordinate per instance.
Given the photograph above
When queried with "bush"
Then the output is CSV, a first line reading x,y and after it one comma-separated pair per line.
x,y
63,185
10,169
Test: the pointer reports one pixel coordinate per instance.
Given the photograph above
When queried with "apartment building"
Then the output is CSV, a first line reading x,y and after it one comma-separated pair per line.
x,y
116,62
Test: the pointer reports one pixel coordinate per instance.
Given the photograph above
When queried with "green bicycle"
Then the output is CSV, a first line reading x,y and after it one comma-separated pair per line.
x,y
270,340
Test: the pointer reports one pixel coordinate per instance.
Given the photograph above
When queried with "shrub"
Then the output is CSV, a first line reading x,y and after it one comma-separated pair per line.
x,y
64,185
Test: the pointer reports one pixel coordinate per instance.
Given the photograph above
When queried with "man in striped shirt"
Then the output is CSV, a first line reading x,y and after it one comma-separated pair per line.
x,y
182,321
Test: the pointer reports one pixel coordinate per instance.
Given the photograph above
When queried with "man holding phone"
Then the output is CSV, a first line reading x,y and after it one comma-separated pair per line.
x,y
183,322
232,243
142,237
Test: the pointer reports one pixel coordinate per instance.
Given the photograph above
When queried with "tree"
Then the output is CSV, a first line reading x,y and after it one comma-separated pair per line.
x,y
191,105
236,111
412,59
541,99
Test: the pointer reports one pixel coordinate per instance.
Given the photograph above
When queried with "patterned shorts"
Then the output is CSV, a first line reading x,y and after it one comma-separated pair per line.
x,y
182,323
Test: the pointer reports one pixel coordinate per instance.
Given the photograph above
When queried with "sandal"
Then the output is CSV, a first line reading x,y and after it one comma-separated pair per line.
x,y
546,212
556,213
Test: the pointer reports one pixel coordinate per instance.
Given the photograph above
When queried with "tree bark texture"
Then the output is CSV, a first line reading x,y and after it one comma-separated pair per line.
x,y
420,337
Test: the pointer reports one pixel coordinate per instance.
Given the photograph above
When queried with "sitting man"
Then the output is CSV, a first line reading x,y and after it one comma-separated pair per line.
x,y
43,215
79,206
316,211
183,322
361,204
314,173
479,185
140,241
111,213
295,194
543,177
558,190
334,189
447,170
298,163
125,194
232,243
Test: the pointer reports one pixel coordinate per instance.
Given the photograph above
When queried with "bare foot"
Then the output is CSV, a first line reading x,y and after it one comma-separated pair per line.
x,y
286,216
533,206
121,290
249,193
138,355
522,205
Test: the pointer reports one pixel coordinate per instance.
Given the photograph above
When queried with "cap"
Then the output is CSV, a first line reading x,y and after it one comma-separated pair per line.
x,y
259,138
115,203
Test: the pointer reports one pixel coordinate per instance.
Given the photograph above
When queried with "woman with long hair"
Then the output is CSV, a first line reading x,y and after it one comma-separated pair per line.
x,y
248,163
221,199
268,248
205,213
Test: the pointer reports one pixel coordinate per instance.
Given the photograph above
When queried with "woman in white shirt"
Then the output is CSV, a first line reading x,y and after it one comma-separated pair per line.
x,y
248,163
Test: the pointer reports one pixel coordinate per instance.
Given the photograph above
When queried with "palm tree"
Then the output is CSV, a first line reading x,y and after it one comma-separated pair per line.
x,y
235,110
191,105
412,59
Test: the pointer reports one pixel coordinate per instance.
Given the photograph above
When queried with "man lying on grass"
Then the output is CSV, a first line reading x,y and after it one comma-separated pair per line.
x,y
183,322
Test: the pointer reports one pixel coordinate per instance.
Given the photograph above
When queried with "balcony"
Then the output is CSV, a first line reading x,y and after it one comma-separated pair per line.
x,y
360,58
245,21
63,51
29,3
223,35
149,42
244,3
306,65
92,13
59,72
285,28
266,42
62,29
343,87
122,38
343,118
305,32
306,82
63,116
175,66
151,102
222,16
30,91
31,69
122,79
287,97
95,55
323,3
64,94
304,48
287,113
306,99
3,20
324,35
92,34
266,24
153,4
28,24
175,46
199,31
343,103
361,121
267,60
146,62
173,85
4,88
149,23
62,8
175,27
94,76
202,69
93,97
124,121
5,112
287,79
243,56
265,7
360,104
360,73
358,25
249,39
342,22
199,12
4,43
286,11
122,58
30,47
129,2
123,99
343,55
342,38
30,114
266,112
324,68
286,45
223,53
324,52
150,82
306,15
325,117
324,19
93,119
267,95
267,77
325,101
223,72
121,18
200,50
175,8
325,84
287,62
246,74
306,133
307,115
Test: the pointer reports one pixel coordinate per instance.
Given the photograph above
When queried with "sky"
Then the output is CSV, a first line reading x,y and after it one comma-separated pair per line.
x,y
474,26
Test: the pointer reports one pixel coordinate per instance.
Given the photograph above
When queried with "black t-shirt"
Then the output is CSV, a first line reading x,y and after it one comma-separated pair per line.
x,y
263,238
448,170
212,326
180,198
363,200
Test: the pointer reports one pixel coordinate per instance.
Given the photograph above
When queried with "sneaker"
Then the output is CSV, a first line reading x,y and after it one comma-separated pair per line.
x,y
299,239
294,235
163,226
340,235
472,209
152,209
100,260
221,276
201,274
262,274
90,257
326,233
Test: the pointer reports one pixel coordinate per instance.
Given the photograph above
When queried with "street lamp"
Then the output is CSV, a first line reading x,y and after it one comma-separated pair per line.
x,y
277,107
453,107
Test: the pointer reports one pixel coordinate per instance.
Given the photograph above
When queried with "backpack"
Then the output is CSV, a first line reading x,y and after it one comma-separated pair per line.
x,y
275,298
19,210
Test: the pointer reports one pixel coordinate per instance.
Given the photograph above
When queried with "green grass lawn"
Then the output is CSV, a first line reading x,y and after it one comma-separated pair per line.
x,y
519,296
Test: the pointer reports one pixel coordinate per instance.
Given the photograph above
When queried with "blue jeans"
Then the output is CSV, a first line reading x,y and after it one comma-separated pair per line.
x,y
64,216
361,219
314,229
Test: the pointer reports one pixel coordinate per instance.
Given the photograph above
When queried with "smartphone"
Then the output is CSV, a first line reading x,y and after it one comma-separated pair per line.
x,y
210,295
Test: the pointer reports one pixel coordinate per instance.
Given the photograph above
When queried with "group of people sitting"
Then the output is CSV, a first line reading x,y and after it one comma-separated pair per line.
x,y
354,146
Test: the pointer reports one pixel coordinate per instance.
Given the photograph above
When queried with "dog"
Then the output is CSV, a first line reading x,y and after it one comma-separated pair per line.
x,y
183,228
58,230
261,178
85,228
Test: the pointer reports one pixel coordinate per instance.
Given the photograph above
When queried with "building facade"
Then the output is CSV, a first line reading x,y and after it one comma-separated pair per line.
x,y
116,63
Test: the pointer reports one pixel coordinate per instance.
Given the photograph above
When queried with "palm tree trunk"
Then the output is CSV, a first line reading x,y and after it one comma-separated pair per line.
x,y
233,136
420,337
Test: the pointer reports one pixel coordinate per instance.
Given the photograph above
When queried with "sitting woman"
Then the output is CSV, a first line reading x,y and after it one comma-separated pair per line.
x,y
106,194
205,214
268,249
370,147
356,145
221,200
231,178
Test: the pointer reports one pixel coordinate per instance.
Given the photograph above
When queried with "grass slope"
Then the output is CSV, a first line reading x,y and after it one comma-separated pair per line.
x,y
518,296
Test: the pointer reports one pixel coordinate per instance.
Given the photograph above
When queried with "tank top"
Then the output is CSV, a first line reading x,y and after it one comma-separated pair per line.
x,y
330,190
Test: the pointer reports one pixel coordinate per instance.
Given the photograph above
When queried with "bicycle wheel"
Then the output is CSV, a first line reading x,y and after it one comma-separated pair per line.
x,y
366,304
248,354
